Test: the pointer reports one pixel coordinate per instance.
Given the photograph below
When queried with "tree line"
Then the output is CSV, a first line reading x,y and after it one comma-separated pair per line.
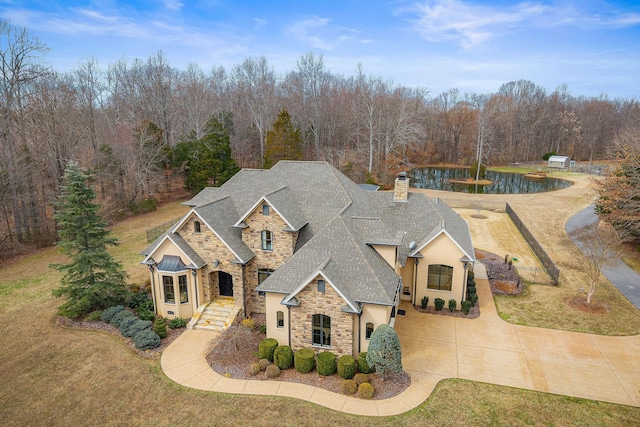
x,y
144,128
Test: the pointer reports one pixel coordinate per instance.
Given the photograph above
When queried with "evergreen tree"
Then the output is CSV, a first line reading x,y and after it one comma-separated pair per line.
x,y
207,160
93,279
384,353
284,141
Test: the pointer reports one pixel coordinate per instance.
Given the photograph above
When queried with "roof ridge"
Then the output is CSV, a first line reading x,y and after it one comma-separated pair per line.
x,y
212,202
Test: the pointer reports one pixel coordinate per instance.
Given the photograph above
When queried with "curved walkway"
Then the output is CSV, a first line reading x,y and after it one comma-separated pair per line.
x,y
623,277
486,349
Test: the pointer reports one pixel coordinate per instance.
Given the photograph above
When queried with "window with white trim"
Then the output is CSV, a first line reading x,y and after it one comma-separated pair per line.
x,y
169,292
440,277
267,240
321,330
183,289
265,210
321,286
196,227
369,330
280,319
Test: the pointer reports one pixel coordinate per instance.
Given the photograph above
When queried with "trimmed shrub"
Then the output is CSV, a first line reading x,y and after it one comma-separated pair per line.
x,y
326,363
160,327
366,391
266,348
304,360
346,367
471,289
272,371
248,323
177,323
452,305
349,387
263,363
108,314
424,302
363,365
384,353
140,301
146,314
360,378
263,329
146,339
439,303
474,299
134,327
254,369
119,317
124,325
466,306
471,275
94,316
283,357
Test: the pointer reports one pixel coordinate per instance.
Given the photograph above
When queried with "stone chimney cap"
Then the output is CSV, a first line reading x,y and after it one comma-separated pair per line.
x,y
402,176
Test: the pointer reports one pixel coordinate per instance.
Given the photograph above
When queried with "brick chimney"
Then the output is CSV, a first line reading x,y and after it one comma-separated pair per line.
x,y
401,188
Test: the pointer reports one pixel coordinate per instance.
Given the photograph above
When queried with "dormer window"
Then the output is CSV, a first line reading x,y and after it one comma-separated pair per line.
x,y
321,286
267,240
265,210
196,227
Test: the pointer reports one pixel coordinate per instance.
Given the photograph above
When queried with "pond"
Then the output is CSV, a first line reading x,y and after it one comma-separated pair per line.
x,y
437,178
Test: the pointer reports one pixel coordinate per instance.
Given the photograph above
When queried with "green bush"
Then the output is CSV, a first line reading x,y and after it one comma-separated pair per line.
x,y
473,298
283,357
546,156
248,323
425,302
146,339
471,275
177,323
94,316
326,363
363,365
160,327
272,371
263,328
360,378
140,301
366,391
346,367
452,305
439,303
254,369
466,306
124,325
471,289
119,317
266,348
146,314
349,387
263,363
304,360
134,327
108,314
384,353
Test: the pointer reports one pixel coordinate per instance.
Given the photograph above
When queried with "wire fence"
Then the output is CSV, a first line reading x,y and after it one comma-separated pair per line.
x,y
474,204
157,231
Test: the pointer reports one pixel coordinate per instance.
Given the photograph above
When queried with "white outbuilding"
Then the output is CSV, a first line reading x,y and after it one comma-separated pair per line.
x,y
562,162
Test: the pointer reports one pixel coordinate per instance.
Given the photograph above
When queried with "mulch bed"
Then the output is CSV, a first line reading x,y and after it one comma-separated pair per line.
x,y
503,278
98,325
237,349
580,303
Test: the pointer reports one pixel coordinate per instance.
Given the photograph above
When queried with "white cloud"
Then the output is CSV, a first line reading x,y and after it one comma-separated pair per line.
x,y
319,33
173,4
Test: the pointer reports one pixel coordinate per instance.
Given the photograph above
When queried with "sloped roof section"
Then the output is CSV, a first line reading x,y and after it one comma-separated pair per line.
x,y
285,203
171,263
180,243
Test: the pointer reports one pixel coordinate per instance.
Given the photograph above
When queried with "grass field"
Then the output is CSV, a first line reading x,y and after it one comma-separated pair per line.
x,y
53,376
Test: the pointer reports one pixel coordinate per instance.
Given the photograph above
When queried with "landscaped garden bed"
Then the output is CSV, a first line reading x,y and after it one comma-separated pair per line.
x,y
503,276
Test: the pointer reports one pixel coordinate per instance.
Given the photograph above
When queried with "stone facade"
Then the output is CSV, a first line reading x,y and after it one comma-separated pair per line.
x,y
330,304
401,189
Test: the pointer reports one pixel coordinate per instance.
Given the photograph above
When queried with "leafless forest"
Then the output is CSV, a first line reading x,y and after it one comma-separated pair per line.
x,y
122,120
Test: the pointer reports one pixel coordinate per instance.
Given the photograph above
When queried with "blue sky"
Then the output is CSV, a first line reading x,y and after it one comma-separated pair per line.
x,y
592,46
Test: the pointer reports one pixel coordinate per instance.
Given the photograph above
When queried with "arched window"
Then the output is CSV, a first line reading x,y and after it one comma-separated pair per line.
x,y
196,227
280,319
321,330
440,277
369,330
267,240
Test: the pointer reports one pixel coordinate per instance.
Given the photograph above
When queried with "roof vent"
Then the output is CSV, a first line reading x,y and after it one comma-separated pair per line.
x,y
412,245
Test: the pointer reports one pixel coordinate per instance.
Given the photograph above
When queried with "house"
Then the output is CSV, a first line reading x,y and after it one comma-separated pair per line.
x,y
561,162
325,260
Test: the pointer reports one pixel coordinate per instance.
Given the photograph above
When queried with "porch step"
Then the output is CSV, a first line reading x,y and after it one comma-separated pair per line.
x,y
217,316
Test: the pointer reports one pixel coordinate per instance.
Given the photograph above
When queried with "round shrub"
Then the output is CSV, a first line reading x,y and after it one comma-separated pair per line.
x,y
272,371
266,348
94,316
145,314
263,363
248,323
177,323
304,360
346,367
124,325
472,289
146,339
366,391
140,301
474,299
349,387
254,369
361,378
135,327
119,317
283,357
465,306
108,314
439,303
326,363
160,327
363,365
452,305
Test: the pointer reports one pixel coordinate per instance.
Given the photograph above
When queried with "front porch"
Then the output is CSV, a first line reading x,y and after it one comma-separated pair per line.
x,y
215,316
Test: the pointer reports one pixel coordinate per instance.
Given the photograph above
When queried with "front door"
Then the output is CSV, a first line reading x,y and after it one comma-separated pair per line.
x,y
225,283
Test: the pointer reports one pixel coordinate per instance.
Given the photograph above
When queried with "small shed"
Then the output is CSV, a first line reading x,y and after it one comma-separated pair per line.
x,y
559,162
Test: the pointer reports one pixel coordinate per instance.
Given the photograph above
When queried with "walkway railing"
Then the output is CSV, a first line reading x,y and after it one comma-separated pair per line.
x,y
157,231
